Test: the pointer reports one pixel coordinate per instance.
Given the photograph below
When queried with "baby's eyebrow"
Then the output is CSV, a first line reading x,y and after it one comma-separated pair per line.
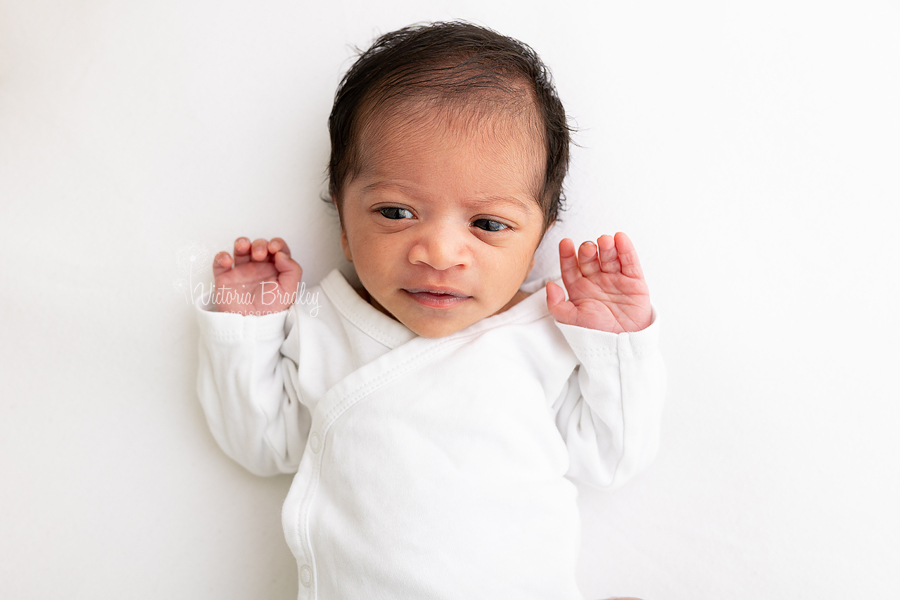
x,y
510,200
475,203
383,184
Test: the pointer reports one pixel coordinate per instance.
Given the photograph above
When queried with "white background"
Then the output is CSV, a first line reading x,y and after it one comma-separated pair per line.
x,y
750,149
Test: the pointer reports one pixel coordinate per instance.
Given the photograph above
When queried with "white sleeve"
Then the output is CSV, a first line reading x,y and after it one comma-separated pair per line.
x,y
247,387
610,412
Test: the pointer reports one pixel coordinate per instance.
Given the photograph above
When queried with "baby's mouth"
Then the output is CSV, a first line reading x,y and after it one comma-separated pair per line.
x,y
437,298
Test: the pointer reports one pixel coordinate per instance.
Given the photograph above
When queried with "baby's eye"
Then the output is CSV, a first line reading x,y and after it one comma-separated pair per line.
x,y
393,212
489,225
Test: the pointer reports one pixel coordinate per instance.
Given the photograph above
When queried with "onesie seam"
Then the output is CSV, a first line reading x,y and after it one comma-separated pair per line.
x,y
247,330
615,472
240,337
593,352
304,511
361,392
584,351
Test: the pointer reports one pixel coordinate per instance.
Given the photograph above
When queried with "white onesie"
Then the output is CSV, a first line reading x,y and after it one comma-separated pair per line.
x,y
430,469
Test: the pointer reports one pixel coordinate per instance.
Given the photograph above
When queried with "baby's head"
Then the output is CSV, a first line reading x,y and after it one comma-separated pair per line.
x,y
449,149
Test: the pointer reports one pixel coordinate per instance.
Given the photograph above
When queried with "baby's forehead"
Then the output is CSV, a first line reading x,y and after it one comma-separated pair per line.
x,y
410,124
501,144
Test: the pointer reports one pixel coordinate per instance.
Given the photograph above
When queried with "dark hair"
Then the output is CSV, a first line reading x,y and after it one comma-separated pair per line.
x,y
449,63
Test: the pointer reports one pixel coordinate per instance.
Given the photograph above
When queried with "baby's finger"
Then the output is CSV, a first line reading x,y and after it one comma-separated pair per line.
x,y
221,263
568,262
260,250
278,245
289,272
241,251
609,258
628,258
588,259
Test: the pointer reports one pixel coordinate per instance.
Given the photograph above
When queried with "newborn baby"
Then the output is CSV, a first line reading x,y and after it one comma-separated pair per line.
x,y
439,416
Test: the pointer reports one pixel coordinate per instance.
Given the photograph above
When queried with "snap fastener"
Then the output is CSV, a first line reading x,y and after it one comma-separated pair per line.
x,y
315,442
305,575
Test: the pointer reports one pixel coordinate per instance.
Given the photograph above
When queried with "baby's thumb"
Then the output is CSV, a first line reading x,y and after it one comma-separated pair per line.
x,y
555,295
556,303
289,271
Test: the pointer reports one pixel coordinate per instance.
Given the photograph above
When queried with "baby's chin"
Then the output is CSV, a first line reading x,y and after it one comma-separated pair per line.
x,y
436,327
424,326
431,331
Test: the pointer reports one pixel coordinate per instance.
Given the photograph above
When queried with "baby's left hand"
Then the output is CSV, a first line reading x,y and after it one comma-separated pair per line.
x,y
606,286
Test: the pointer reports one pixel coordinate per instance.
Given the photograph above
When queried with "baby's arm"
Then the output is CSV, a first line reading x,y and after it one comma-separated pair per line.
x,y
247,363
611,410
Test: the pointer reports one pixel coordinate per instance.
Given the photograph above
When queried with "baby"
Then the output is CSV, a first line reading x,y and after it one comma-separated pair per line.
x,y
438,417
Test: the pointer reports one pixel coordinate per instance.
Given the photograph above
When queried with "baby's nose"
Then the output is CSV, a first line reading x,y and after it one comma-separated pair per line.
x,y
441,247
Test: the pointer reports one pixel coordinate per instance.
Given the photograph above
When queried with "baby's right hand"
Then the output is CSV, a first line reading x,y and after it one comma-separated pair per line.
x,y
261,279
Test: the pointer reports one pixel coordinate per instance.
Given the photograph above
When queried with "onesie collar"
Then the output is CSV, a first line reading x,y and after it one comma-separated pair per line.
x,y
366,317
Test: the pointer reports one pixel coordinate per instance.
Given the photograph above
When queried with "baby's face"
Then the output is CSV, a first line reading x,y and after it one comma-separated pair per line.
x,y
442,223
